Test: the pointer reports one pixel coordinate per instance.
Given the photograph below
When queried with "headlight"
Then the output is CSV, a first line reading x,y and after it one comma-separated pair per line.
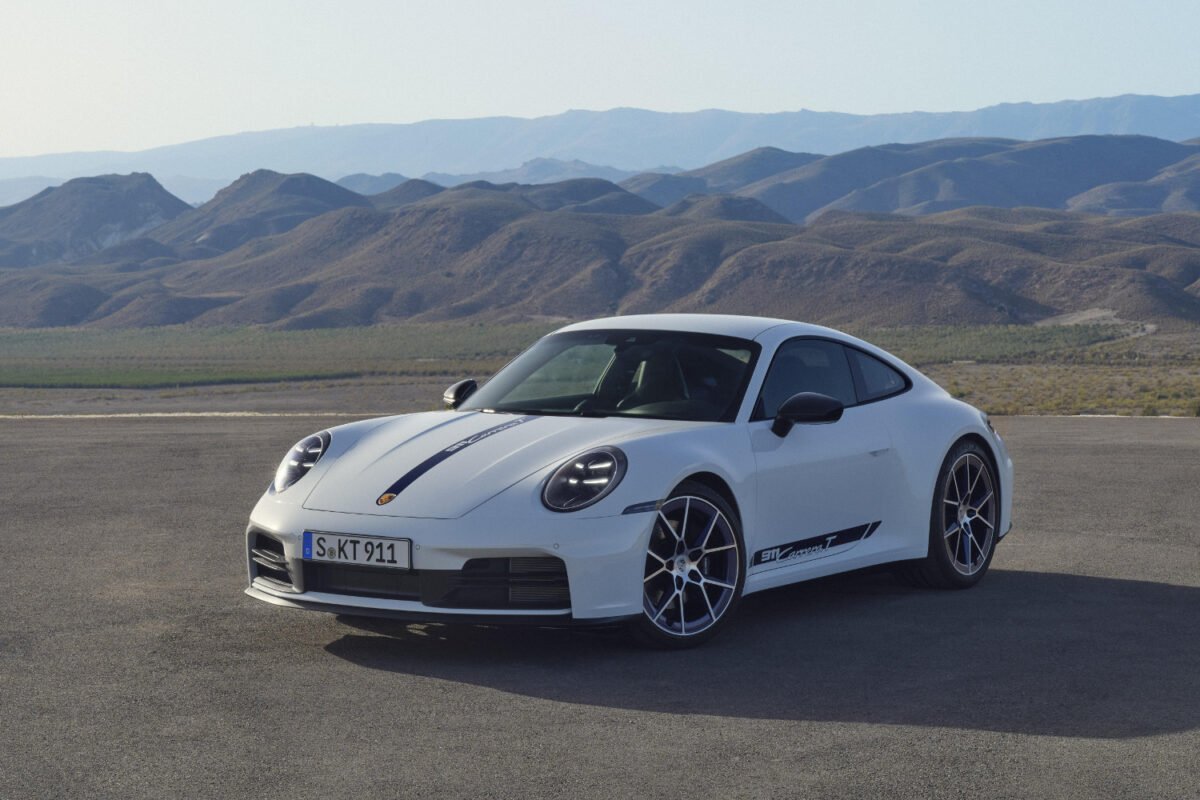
x,y
300,459
584,480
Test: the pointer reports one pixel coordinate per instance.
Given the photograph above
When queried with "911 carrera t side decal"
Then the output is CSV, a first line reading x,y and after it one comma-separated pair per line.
x,y
814,546
420,469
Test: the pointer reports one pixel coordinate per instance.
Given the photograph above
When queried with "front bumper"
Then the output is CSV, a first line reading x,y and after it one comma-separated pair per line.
x,y
604,560
442,616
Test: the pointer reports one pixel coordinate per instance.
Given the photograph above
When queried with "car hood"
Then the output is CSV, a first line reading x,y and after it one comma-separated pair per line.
x,y
443,464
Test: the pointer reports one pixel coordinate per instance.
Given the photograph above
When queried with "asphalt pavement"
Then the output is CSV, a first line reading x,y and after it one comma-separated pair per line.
x,y
131,664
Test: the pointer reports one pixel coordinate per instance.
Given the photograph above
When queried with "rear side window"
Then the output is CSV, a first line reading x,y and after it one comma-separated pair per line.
x,y
877,380
806,365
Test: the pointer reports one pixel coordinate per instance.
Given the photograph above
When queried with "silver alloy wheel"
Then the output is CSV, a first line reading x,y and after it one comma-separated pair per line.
x,y
969,513
692,566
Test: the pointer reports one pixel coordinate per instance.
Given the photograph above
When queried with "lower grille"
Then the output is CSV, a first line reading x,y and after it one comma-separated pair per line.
x,y
483,583
389,584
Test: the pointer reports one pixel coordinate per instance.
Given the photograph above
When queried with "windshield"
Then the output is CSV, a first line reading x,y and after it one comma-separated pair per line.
x,y
659,374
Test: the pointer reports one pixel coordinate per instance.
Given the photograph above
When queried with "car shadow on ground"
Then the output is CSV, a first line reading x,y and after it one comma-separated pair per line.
x,y
1025,652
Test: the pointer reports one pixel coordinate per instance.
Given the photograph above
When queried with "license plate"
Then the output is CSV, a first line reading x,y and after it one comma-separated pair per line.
x,y
368,551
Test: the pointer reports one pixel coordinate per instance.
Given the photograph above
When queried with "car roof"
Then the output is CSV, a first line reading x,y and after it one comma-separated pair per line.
x,y
721,324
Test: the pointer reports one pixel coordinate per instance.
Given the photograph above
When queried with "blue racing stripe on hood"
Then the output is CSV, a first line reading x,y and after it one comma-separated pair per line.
x,y
420,469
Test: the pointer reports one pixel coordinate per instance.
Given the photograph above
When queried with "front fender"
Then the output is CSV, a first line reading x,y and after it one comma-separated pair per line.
x,y
342,439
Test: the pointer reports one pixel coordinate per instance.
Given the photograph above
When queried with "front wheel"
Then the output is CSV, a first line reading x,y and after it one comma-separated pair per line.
x,y
963,522
695,570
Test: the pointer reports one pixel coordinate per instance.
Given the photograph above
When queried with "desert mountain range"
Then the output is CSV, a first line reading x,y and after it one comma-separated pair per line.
x,y
953,231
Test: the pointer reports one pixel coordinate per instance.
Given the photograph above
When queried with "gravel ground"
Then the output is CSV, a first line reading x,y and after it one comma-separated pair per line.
x,y
132,666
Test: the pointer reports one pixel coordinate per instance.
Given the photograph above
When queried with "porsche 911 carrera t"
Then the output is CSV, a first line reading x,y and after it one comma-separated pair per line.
x,y
647,471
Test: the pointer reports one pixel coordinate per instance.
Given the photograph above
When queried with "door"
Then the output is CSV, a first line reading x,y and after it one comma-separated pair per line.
x,y
823,490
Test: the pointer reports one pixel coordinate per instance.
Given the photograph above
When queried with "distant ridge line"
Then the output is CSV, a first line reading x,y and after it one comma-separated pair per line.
x,y
623,138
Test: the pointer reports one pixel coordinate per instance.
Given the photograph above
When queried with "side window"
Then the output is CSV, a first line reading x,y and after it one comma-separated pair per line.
x,y
806,365
878,380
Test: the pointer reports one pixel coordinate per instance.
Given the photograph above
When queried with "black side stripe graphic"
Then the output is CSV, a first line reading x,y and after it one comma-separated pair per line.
x,y
813,545
420,469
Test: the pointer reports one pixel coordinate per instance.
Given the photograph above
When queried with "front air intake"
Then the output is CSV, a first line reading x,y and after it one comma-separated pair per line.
x,y
269,562
491,584
501,583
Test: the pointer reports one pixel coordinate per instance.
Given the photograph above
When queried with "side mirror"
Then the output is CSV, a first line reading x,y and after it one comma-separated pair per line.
x,y
457,393
806,408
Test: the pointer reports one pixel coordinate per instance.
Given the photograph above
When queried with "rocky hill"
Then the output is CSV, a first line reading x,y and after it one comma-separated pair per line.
x,y
261,203
82,217
723,177
364,184
536,170
1174,188
1119,175
1045,174
408,192
799,193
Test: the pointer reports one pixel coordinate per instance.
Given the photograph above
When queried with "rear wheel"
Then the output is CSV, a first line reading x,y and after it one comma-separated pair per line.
x,y
963,522
694,569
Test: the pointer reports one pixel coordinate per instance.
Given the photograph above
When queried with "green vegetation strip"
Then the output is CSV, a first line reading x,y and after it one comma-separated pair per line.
x,y
180,356
996,344
1069,369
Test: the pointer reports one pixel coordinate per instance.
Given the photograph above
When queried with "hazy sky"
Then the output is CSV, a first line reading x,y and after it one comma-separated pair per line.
x,y
131,74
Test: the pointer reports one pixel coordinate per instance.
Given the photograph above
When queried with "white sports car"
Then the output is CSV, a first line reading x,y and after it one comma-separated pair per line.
x,y
643,470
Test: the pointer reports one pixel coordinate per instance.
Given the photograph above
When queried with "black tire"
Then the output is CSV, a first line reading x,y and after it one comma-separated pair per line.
x,y
959,560
661,631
